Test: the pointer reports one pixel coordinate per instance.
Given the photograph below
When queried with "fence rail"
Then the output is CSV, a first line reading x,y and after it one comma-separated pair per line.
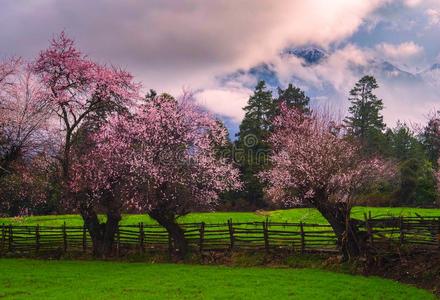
x,y
381,234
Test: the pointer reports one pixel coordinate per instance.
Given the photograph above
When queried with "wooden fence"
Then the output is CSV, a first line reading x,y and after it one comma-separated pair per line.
x,y
402,233
381,234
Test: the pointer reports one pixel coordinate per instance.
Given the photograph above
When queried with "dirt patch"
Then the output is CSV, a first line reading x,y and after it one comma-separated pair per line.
x,y
421,269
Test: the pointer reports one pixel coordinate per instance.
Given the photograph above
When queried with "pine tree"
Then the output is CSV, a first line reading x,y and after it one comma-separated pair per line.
x,y
365,121
431,139
416,185
293,97
252,144
258,113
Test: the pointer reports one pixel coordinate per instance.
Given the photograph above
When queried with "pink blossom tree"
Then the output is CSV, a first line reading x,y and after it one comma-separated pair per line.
x,y
24,116
24,135
82,94
79,88
27,186
313,163
161,160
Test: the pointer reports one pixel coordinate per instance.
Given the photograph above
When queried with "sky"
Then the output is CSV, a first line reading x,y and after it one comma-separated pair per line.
x,y
175,45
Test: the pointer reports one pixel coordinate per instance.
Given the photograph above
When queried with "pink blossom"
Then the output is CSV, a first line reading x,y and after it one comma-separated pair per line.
x,y
77,87
311,155
161,155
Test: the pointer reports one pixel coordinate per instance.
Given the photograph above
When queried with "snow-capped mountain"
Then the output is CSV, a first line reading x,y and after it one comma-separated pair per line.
x,y
382,69
327,84
387,74
387,71
310,55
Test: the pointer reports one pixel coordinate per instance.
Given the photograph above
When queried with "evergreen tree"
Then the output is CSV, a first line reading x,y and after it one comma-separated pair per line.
x,y
417,185
431,139
403,144
252,144
365,121
293,97
258,113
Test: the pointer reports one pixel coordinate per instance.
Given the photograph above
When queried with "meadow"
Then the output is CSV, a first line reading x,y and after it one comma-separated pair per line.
x,y
306,215
35,279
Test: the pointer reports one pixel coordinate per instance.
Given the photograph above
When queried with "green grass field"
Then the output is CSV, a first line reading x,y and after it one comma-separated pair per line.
x,y
307,215
33,279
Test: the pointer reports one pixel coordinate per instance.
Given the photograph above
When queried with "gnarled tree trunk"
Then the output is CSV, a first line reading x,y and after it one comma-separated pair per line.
x,y
168,221
338,215
102,234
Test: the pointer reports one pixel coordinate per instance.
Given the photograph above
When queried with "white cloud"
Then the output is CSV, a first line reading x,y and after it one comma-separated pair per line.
x,y
398,52
408,103
413,3
434,16
225,102
339,67
421,3
403,100
171,44
336,69
190,43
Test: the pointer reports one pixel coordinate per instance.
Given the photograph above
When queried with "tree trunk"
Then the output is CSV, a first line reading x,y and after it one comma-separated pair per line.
x,y
168,221
102,234
345,228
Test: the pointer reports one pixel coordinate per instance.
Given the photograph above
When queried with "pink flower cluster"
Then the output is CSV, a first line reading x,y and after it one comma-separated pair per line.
x,y
163,154
77,85
312,156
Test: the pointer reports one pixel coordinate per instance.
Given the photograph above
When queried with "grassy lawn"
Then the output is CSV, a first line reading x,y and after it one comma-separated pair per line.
x,y
33,279
307,215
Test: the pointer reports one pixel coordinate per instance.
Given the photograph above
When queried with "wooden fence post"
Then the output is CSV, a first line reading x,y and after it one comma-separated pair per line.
x,y
266,235
10,239
37,239
231,234
170,246
64,237
141,237
369,229
438,232
402,235
84,238
118,242
3,239
202,235
303,242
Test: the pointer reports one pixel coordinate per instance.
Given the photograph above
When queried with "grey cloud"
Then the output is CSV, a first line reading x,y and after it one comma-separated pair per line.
x,y
172,44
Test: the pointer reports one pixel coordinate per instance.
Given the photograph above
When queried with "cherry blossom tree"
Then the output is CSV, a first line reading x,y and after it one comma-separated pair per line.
x,y
82,93
161,160
80,88
313,163
24,116
25,137
28,186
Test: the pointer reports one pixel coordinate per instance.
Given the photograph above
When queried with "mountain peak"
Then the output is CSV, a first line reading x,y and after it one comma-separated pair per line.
x,y
435,66
311,55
